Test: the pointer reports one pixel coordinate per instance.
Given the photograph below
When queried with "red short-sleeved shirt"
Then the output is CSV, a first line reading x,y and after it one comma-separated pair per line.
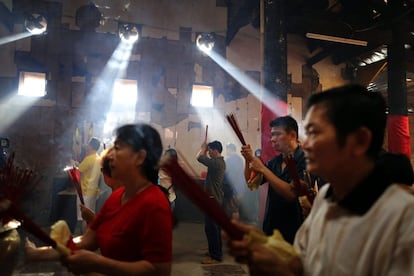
x,y
141,229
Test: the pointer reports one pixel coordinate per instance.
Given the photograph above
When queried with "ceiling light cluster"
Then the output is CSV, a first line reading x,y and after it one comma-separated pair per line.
x,y
205,41
35,24
378,55
128,32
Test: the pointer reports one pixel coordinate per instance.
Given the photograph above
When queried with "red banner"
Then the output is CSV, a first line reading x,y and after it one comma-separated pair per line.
x,y
399,135
278,109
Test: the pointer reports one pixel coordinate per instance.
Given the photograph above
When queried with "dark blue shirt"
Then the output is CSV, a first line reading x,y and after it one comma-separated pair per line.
x,y
282,214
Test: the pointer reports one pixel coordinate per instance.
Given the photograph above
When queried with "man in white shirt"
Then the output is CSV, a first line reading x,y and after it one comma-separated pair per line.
x,y
361,222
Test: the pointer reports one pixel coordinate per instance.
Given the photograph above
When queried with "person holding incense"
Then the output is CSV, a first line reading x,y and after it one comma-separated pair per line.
x,y
165,180
361,222
283,211
133,230
87,214
210,156
89,170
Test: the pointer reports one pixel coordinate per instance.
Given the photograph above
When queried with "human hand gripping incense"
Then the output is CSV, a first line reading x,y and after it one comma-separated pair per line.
x,y
8,208
74,176
299,188
199,197
196,194
255,178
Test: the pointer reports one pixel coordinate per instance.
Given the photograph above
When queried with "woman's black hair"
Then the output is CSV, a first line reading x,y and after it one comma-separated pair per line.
x,y
143,137
106,169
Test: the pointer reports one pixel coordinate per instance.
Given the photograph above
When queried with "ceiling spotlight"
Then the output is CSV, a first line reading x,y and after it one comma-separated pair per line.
x,y
128,32
205,41
35,24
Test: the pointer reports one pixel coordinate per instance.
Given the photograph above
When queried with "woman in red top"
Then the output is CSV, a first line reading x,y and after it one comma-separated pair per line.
x,y
133,230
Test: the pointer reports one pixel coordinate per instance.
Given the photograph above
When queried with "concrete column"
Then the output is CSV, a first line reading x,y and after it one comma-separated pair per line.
x,y
274,67
274,76
398,125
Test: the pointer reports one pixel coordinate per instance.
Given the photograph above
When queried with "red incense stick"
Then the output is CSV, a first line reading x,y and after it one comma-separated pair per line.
x,y
195,193
235,126
300,190
205,137
74,176
29,225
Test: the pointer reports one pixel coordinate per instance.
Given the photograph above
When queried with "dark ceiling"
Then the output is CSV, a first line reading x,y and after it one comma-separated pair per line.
x,y
367,20
373,21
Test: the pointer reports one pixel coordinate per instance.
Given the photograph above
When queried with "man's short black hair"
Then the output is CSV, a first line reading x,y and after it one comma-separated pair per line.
x,y
288,124
350,107
94,143
215,145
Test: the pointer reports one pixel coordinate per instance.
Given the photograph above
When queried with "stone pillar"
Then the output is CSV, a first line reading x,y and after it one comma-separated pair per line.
x,y
274,76
398,125
274,68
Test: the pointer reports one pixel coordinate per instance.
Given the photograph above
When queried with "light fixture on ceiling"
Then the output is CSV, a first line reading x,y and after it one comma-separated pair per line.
x,y
35,24
88,17
128,32
337,39
205,41
379,54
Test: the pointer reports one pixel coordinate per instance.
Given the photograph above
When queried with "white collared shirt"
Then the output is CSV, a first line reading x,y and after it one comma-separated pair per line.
x,y
333,241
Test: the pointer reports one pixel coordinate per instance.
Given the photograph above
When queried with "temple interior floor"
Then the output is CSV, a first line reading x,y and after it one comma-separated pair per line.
x,y
189,248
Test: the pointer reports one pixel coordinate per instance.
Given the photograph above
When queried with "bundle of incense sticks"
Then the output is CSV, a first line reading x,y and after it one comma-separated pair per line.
x,y
206,136
201,199
15,181
235,126
74,176
300,190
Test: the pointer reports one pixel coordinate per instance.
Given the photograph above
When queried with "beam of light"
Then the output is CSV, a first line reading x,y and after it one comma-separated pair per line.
x,y
114,70
96,101
277,106
123,105
119,60
12,107
15,37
